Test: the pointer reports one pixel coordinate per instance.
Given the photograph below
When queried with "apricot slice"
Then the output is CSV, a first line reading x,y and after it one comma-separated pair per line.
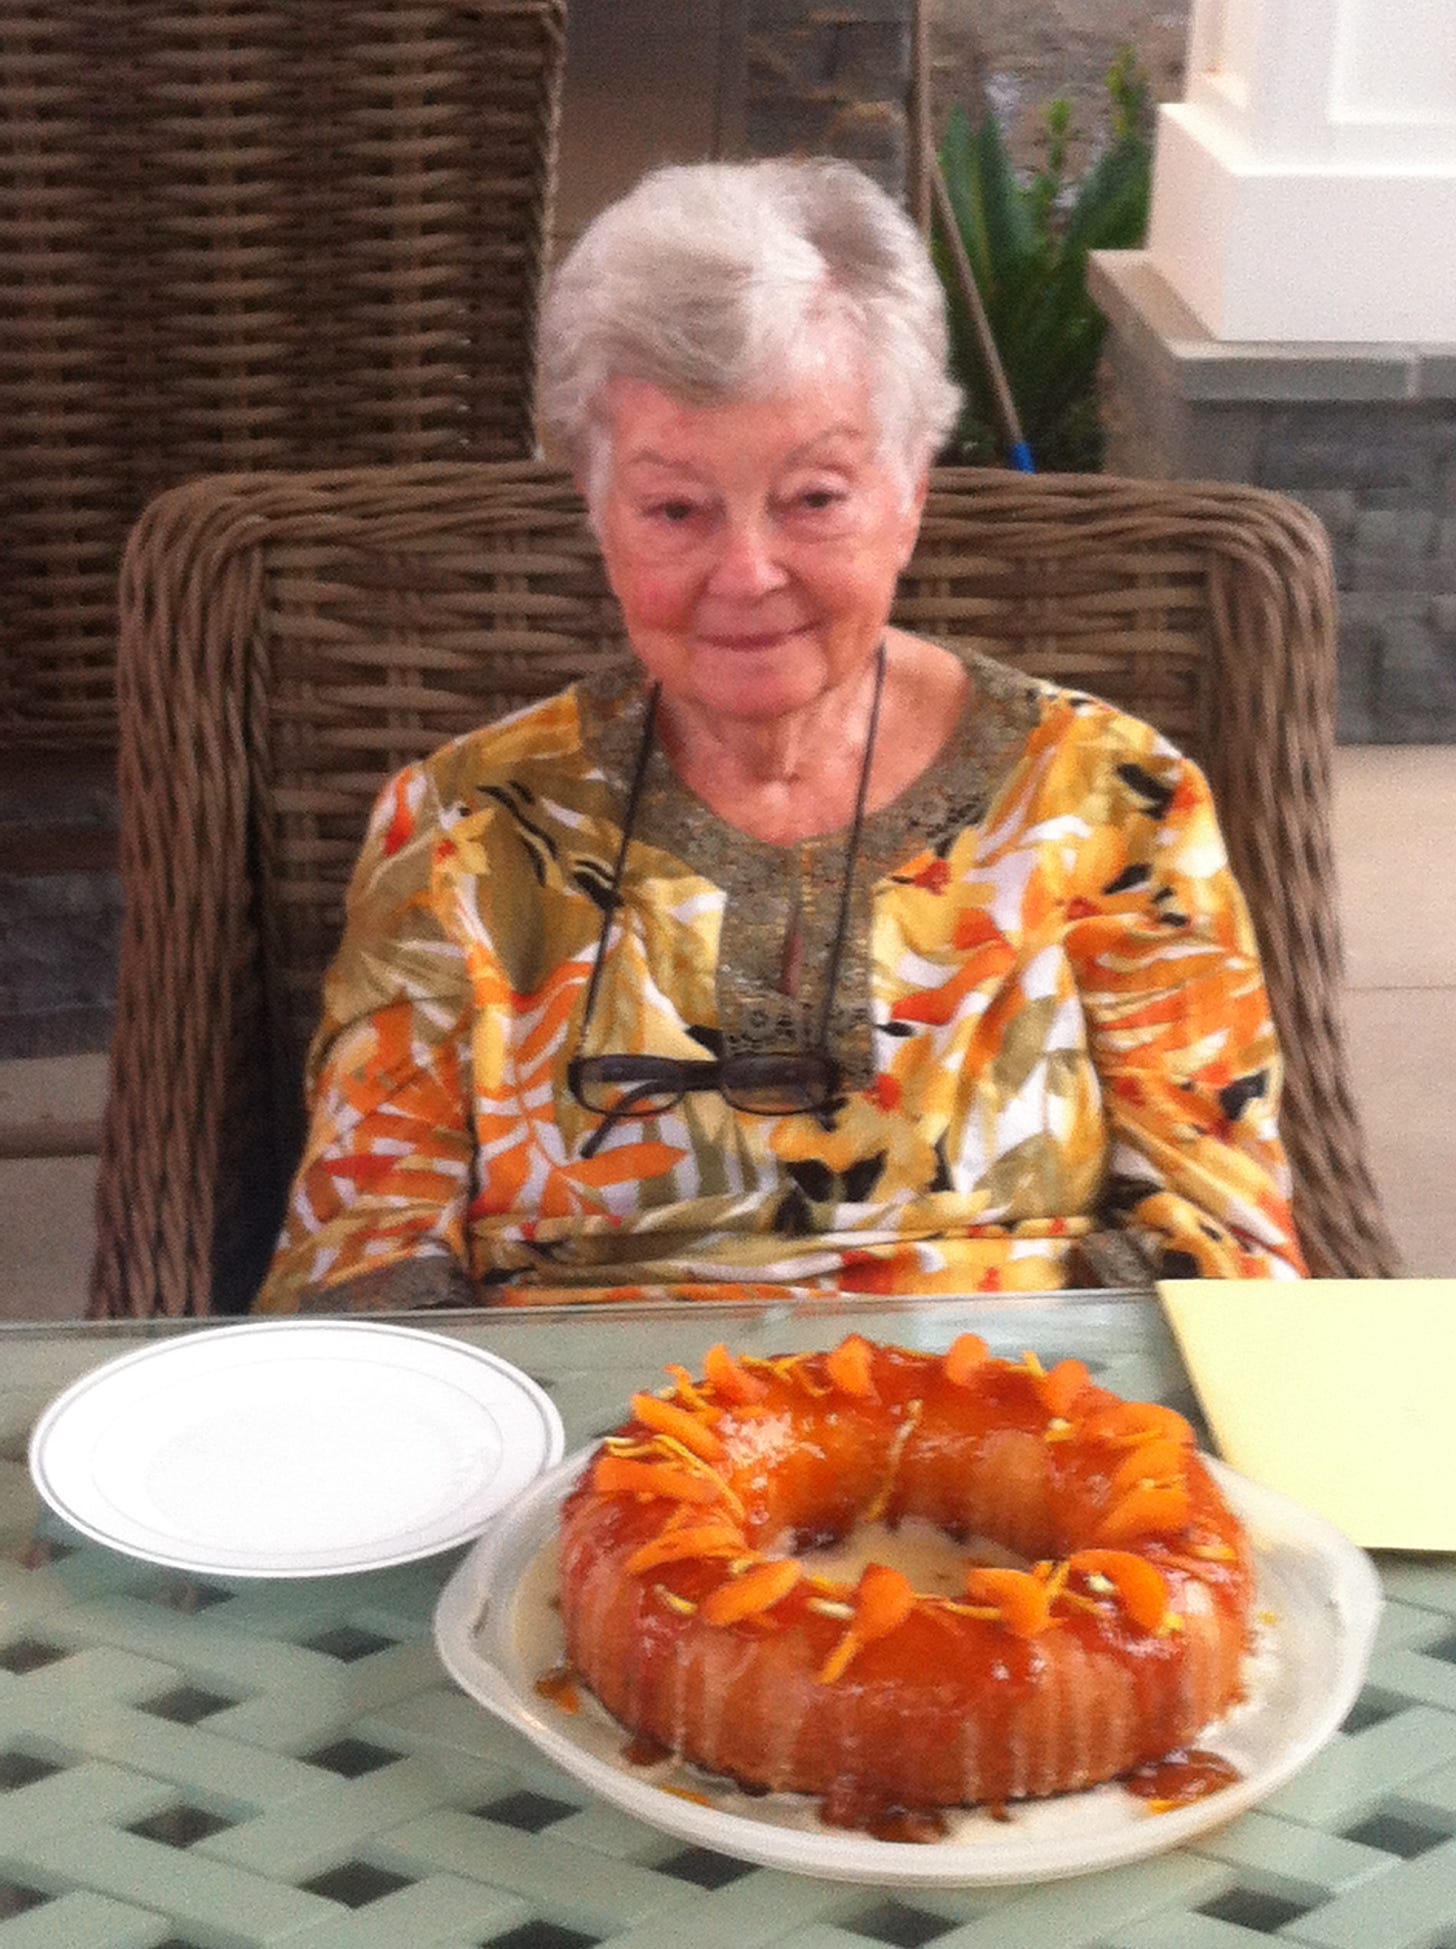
x,y
617,1475
1159,1461
964,1356
1062,1384
758,1589
1134,1421
1141,1588
1146,1511
666,1419
883,1599
730,1380
848,1366
678,1545
1023,1600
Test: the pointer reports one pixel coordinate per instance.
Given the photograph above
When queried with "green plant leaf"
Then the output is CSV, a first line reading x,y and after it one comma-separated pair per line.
x,y
1110,211
1028,244
990,205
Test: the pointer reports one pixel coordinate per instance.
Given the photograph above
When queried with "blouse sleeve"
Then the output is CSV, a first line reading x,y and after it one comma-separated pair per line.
x,y
1180,1030
384,1182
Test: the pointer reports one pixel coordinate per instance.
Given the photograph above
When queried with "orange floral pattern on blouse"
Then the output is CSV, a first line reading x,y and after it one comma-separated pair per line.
x,y
1069,1028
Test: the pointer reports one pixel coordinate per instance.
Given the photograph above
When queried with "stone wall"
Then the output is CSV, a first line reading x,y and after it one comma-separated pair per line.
x,y
1365,436
830,77
1014,57
1382,478
834,76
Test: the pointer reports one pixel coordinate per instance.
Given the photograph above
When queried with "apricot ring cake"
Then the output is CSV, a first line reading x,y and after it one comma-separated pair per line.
x,y
1107,1628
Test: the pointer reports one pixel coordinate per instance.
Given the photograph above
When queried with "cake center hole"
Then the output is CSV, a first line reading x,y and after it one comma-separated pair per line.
x,y
933,1560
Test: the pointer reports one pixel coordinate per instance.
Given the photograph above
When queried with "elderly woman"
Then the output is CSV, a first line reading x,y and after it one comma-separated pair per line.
x,y
798,953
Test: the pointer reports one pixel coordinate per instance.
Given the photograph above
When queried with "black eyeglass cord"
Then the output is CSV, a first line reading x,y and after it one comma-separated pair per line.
x,y
841,931
851,855
629,820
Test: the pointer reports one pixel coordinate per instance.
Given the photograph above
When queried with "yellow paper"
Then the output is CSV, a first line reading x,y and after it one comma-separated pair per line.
x,y
1340,1393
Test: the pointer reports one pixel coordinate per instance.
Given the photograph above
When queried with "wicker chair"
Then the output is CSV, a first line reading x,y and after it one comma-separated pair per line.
x,y
287,640
243,234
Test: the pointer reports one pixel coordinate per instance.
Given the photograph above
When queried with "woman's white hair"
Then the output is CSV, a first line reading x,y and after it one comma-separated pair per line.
x,y
720,281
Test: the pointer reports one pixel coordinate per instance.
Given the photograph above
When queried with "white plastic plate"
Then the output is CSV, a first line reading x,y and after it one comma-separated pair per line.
x,y
497,1631
293,1448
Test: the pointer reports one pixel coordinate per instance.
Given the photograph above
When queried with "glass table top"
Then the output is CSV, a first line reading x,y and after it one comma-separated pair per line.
x,y
212,1764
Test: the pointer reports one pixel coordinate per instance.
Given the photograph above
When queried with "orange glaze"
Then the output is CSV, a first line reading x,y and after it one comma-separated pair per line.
x,y
870,1692
559,1685
1181,1778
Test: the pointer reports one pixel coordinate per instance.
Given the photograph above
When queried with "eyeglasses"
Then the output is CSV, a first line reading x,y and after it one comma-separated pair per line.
x,y
787,1083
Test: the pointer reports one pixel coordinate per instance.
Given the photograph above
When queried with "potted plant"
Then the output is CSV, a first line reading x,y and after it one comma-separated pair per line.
x,y
1027,243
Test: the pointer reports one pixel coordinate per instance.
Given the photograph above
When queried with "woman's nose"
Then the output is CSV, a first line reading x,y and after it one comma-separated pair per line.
x,y
748,563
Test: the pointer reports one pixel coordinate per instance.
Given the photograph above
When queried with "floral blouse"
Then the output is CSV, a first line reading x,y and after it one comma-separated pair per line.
x,y
1049,1011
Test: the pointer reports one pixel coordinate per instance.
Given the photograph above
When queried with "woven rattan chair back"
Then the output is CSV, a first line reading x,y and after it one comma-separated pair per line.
x,y
240,234
287,641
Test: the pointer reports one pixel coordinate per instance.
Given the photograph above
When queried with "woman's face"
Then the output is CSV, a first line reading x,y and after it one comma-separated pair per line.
x,y
754,546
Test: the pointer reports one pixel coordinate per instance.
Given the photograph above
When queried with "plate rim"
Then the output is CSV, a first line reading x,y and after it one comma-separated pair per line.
x,y
1355,1595
183,1346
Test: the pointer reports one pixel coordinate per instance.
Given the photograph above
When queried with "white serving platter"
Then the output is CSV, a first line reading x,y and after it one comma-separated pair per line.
x,y
498,1630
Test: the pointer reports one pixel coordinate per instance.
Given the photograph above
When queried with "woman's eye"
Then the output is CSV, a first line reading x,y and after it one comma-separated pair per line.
x,y
819,500
674,513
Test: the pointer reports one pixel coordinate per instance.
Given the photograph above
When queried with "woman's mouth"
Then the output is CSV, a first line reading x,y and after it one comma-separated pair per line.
x,y
748,642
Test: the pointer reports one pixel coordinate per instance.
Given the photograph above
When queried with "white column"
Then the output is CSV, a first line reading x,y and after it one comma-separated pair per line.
x,y
1305,189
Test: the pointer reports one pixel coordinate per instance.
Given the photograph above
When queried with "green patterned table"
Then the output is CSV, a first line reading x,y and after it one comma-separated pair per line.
x,y
197,1764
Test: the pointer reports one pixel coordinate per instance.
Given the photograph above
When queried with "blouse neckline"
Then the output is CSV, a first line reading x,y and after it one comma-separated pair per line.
x,y
768,885
951,792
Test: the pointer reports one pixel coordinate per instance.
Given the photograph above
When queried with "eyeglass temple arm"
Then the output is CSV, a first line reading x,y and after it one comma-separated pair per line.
x,y
626,1108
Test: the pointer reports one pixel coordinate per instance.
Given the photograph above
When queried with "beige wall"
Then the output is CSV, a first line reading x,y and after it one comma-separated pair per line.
x,y
647,81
